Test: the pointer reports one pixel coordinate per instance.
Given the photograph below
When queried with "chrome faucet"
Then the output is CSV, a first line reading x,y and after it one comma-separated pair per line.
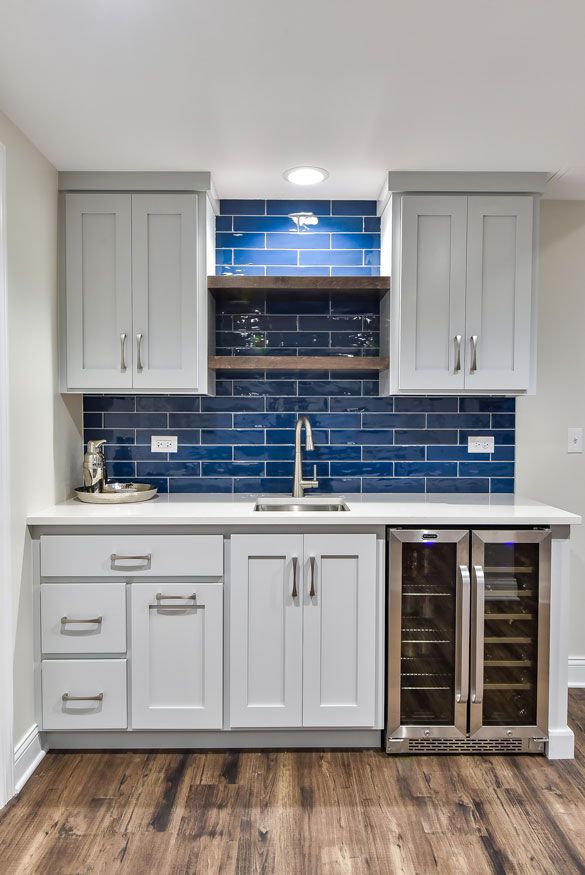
x,y
299,485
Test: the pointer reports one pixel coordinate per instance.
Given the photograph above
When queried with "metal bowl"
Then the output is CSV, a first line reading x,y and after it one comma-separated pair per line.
x,y
118,493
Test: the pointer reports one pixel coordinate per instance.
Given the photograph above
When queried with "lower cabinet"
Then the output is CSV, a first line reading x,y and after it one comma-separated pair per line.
x,y
84,694
303,630
176,660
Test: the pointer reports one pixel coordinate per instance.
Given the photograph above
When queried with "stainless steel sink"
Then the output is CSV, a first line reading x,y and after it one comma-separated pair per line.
x,y
298,507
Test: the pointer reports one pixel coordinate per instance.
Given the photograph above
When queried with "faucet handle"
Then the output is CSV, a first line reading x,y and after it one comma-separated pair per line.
x,y
311,484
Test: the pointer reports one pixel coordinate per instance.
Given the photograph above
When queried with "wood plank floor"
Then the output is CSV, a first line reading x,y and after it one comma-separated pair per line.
x,y
299,813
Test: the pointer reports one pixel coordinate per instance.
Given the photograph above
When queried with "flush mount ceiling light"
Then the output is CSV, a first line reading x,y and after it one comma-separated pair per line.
x,y
305,175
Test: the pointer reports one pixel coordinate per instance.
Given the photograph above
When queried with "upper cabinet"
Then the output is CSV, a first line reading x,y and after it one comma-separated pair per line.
x,y
461,315
134,291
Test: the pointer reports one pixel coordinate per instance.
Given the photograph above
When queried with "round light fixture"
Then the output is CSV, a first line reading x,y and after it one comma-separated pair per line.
x,y
305,175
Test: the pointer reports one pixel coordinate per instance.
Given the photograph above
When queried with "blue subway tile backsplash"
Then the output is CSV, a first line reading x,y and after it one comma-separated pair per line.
x,y
242,439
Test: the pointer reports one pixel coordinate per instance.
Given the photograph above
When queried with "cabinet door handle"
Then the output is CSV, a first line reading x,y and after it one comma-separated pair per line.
x,y
295,592
457,367
473,365
146,559
122,352
138,352
66,697
312,592
94,620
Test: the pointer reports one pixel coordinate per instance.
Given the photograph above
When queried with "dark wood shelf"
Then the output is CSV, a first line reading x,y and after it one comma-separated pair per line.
x,y
378,284
297,363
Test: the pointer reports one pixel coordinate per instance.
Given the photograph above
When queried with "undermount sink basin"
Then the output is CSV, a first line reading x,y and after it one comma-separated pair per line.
x,y
299,507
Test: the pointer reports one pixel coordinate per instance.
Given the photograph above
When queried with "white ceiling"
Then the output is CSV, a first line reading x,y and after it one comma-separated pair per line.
x,y
247,88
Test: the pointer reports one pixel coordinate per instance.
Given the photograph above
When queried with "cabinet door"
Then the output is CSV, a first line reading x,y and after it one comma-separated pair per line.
x,y
499,292
98,273
339,634
266,631
164,284
176,655
432,293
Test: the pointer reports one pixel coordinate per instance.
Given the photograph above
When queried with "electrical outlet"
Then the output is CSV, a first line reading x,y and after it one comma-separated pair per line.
x,y
480,444
160,444
574,440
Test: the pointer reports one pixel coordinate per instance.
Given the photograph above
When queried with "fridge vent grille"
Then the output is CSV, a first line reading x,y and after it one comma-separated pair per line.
x,y
461,745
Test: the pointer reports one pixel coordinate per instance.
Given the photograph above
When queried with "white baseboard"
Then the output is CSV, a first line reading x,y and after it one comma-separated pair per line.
x,y
28,753
577,671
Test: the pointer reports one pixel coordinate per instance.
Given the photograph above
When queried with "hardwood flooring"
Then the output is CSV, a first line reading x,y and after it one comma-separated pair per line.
x,y
299,813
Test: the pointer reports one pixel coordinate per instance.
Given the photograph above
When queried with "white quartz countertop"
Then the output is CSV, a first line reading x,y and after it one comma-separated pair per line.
x,y
374,510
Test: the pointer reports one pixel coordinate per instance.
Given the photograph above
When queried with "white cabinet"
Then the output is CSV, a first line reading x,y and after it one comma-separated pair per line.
x,y
266,631
176,662
461,318
135,292
83,618
84,694
303,630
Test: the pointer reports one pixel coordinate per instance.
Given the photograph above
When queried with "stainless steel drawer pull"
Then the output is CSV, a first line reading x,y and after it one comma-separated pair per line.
x,y
295,592
473,366
93,620
457,367
66,697
146,559
138,352
161,595
312,592
122,352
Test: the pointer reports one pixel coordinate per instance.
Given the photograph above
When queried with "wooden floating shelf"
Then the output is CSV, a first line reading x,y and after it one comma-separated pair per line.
x,y
378,284
297,363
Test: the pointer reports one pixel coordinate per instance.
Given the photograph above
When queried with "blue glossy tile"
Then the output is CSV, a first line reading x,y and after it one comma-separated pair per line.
x,y
425,436
426,469
339,484
201,484
93,419
224,256
372,257
264,387
330,387
335,453
287,436
298,405
330,257
200,420
504,454
454,454
458,420
232,469
370,387
121,470
294,339
371,223
362,302
362,405
265,453
330,322
294,241
225,223
416,404
500,436
393,420
297,303
264,420
161,483
457,484
355,241
241,340
298,271
266,322
286,469
336,420
503,420
392,484
356,436
227,403
265,256
256,485
109,402
325,224
226,240
242,207
362,469
231,436
111,435
168,469
486,469
393,453
354,208
199,453
130,453
241,270
487,405
366,340
135,420
502,485
285,207
169,403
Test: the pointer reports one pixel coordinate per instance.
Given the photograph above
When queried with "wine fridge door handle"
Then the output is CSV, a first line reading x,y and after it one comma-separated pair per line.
x,y
477,632
462,656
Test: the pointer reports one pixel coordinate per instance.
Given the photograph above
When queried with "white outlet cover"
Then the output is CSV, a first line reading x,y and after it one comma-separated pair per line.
x,y
163,443
574,439
478,444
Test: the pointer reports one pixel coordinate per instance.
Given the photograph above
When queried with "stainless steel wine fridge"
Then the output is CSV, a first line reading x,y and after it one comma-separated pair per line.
x,y
468,640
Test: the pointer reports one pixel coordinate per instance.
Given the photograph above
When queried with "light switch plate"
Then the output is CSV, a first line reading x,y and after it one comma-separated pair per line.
x,y
163,444
478,444
574,439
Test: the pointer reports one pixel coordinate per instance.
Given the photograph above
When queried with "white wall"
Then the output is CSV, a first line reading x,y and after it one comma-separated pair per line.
x,y
544,469
45,443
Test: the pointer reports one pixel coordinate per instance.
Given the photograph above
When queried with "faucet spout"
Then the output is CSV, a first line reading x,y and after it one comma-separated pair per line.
x,y
300,484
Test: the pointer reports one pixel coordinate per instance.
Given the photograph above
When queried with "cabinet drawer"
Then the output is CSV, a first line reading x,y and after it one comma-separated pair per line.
x,y
104,679
83,617
131,555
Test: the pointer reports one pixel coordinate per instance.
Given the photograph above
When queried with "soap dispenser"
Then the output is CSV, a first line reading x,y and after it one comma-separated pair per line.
x,y
94,467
